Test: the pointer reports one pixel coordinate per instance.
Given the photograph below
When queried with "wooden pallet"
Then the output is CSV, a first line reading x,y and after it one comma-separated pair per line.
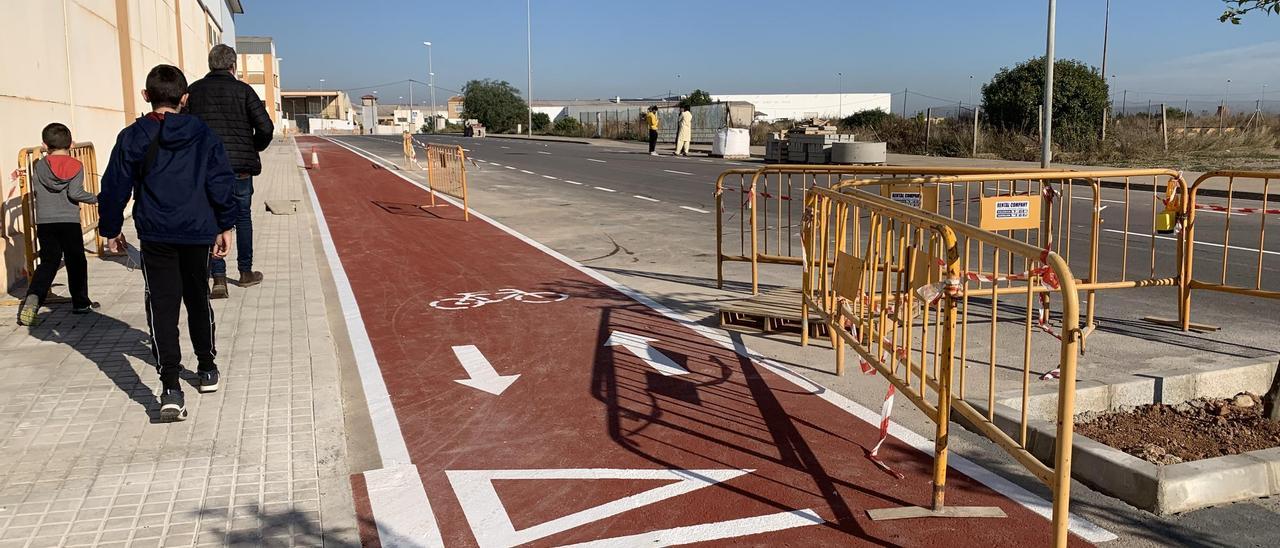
x,y
773,311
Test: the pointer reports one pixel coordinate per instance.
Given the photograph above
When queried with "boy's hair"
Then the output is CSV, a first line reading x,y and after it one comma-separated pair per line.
x,y
653,108
56,136
222,57
165,86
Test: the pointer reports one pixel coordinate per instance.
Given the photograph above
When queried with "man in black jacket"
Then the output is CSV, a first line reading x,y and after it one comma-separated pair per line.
x,y
232,109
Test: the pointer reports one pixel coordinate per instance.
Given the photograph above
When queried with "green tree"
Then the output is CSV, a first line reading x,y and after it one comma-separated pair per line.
x,y
568,127
541,121
496,104
870,119
698,97
1013,97
1237,8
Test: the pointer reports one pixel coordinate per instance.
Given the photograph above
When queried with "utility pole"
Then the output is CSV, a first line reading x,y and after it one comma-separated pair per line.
x,y
975,130
840,89
412,114
1186,113
528,10
1124,103
1106,31
904,102
1046,144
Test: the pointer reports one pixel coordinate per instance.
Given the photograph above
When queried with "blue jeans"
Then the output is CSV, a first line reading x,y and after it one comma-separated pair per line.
x,y
244,230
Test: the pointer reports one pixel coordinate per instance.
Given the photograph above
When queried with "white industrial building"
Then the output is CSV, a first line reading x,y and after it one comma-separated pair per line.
x,y
798,106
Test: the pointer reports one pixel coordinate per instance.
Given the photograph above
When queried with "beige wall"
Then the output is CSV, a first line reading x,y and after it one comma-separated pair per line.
x,y
62,63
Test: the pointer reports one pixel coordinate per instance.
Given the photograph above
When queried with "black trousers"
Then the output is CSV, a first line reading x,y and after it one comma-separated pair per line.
x,y
653,140
178,274
61,242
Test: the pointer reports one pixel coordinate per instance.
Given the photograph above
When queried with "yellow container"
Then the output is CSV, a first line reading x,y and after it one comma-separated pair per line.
x,y
1165,221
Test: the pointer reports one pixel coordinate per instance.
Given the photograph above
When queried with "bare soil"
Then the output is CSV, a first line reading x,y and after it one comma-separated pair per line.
x,y
1199,429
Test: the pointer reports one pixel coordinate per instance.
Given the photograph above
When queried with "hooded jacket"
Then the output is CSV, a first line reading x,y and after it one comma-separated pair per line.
x,y
234,112
186,198
59,189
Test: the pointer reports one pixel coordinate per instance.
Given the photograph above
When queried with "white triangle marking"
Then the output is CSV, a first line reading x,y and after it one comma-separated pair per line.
x,y
492,527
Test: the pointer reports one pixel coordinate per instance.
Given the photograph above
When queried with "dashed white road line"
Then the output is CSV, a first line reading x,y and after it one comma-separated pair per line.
x,y
694,209
572,182
496,164
1103,200
595,160
549,177
506,147
677,172
605,189
541,152
527,171
509,167
646,198
1210,244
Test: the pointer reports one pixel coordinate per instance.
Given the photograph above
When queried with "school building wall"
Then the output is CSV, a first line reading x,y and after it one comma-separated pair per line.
x,y
83,63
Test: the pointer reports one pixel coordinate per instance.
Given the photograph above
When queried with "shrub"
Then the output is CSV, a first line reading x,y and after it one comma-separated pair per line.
x,y
567,126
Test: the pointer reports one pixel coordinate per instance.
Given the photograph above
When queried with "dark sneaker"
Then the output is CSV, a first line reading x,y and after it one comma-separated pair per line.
x,y
219,288
250,279
209,381
85,309
173,406
28,310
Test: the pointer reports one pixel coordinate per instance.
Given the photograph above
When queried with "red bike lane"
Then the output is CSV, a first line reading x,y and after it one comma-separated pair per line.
x,y
543,407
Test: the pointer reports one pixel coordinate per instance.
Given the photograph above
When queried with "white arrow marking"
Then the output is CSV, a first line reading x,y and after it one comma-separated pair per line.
x,y
492,525
640,346
483,376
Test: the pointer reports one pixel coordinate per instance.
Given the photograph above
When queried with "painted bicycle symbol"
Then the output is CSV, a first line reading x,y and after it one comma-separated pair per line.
x,y
477,299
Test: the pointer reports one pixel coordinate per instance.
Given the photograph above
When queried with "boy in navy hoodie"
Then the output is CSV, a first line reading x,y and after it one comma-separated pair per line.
x,y
177,172
58,185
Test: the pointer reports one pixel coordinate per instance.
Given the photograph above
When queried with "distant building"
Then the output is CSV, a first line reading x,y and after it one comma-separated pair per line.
x,y
259,67
318,111
83,64
798,106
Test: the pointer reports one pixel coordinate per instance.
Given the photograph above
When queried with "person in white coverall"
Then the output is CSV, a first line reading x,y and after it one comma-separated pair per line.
x,y
684,132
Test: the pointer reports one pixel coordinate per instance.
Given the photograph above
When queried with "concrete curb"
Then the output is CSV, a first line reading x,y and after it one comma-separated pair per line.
x,y
1161,489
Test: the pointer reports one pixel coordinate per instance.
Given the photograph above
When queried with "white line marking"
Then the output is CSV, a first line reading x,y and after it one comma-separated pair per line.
x,y
482,374
492,526
639,345
1199,211
541,152
549,177
677,172
527,171
646,198
1081,527
397,497
506,147
1103,200
509,167
466,150
1210,244
595,160
605,189
704,160
694,209
572,182
711,531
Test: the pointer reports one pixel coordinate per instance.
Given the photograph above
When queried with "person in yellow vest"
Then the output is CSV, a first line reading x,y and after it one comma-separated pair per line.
x,y
684,133
651,117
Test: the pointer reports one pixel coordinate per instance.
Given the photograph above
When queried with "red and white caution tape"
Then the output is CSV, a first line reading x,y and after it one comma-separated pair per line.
x,y
1237,210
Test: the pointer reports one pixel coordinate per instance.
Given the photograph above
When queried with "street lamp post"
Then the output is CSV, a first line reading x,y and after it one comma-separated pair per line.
x,y
1046,145
431,82
528,10
840,93
1106,31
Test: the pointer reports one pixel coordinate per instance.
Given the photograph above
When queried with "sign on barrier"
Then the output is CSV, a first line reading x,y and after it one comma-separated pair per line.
x,y
1010,212
918,196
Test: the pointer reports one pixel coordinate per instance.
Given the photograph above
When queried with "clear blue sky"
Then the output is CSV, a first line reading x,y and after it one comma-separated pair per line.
x,y
594,49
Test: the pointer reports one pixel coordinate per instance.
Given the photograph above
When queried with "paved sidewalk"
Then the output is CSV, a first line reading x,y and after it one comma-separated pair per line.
x,y
261,462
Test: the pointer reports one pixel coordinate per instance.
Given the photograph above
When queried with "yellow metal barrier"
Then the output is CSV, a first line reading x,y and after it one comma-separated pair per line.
x,y
84,152
410,154
447,173
890,281
1233,206
767,207
1146,258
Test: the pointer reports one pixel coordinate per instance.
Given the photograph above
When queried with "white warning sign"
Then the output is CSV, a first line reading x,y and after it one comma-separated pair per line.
x,y
913,199
1013,209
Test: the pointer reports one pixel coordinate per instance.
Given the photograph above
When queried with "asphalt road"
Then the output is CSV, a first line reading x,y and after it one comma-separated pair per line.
x,y
648,222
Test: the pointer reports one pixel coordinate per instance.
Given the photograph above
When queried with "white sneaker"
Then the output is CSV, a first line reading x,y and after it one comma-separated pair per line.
x,y
653,153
